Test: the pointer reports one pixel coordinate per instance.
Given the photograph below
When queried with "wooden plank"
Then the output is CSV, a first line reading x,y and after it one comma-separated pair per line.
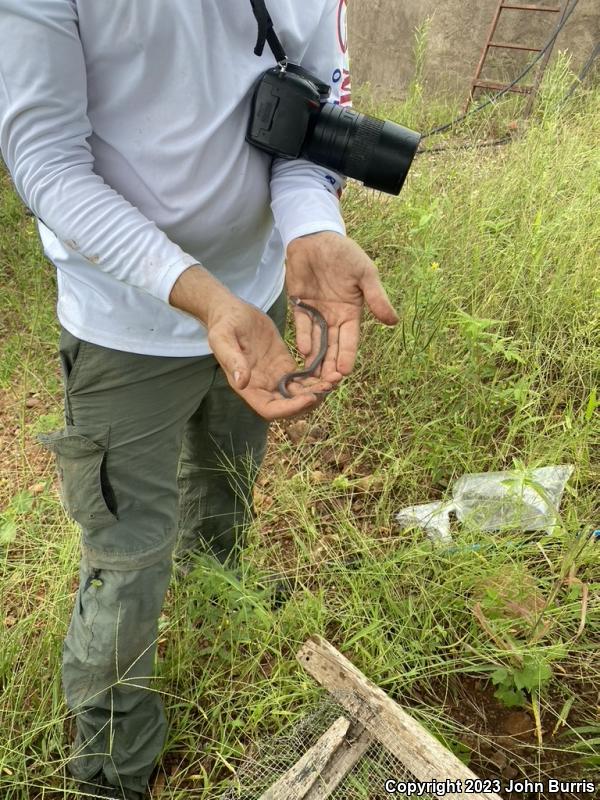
x,y
404,737
356,742
298,780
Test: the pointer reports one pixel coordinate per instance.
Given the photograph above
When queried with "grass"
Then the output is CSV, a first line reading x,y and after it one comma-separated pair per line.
x,y
491,257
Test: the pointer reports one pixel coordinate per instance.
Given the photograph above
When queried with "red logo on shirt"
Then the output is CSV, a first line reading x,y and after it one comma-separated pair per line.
x,y
345,92
342,28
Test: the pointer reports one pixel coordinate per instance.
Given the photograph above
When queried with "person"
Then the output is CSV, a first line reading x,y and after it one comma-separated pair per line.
x,y
123,127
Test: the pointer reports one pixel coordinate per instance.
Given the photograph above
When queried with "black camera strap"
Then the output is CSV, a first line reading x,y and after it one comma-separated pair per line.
x,y
266,33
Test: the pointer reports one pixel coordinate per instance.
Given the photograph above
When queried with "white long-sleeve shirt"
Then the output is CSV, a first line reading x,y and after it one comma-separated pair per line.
x,y
122,123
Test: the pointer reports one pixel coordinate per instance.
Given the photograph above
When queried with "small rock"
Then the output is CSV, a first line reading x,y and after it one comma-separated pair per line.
x,y
373,483
297,430
37,488
33,402
518,724
498,758
328,455
344,459
316,476
317,433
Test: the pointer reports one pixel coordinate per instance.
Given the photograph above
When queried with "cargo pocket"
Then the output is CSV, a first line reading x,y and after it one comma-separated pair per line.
x,y
84,487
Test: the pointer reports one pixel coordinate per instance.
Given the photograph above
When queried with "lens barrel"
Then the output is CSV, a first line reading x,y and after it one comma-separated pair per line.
x,y
377,152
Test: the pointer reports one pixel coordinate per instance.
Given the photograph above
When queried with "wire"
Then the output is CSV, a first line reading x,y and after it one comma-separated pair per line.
x,y
566,15
582,75
466,146
506,139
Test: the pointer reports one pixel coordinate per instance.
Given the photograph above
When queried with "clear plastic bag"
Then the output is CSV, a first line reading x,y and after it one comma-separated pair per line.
x,y
528,500
433,518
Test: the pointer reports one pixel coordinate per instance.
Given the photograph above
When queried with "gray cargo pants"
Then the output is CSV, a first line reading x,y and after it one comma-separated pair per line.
x,y
153,447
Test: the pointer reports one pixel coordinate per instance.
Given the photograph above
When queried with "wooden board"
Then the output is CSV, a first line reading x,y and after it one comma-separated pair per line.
x,y
356,742
420,752
297,781
318,773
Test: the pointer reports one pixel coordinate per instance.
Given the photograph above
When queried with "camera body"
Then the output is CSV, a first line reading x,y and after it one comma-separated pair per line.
x,y
291,117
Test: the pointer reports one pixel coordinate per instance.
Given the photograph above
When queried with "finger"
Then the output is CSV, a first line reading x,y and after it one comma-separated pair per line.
x,y
377,299
349,336
271,405
312,385
228,353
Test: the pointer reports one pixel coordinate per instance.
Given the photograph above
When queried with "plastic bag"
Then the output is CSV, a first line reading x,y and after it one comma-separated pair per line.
x,y
433,518
493,501
528,500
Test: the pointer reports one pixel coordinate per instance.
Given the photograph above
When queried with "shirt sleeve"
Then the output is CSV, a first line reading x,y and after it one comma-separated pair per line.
x,y
44,132
305,196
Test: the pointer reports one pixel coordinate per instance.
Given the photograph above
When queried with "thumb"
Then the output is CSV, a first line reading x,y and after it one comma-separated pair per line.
x,y
228,353
377,299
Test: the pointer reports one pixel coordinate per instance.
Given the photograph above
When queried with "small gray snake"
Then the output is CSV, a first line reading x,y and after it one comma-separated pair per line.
x,y
317,317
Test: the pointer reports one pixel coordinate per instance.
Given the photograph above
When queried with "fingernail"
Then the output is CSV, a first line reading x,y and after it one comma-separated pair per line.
x,y
236,376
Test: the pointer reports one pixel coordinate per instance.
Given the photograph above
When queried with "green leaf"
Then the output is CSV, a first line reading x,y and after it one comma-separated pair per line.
x,y
592,761
532,676
499,676
46,423
511,698
592,405
22,502
341,482
8,532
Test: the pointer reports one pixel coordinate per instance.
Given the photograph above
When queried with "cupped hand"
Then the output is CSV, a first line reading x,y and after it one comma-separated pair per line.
x,y
254,357
335,275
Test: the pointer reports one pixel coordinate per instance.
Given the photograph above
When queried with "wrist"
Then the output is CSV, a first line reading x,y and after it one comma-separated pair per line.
x,y
318,235
199,293
311,242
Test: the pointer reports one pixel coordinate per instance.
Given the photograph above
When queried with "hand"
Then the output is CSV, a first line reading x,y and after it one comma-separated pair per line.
x,y
247,345
335,275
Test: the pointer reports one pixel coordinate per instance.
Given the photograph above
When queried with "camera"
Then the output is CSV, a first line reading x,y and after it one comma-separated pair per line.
x,y
291,117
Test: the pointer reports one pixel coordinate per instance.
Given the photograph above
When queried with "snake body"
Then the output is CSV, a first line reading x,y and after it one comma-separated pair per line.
x,y
317,317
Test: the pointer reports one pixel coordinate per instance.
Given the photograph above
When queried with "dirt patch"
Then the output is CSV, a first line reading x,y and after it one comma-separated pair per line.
x,y
25,465
506,744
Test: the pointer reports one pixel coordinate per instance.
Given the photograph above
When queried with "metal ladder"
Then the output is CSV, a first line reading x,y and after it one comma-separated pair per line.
x,y
531,89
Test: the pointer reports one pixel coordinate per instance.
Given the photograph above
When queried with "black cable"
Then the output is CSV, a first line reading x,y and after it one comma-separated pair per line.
x,y
466,146
506,139
582,75
567,13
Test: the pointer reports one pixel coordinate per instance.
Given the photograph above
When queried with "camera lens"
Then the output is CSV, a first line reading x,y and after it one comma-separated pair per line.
x,y
377,152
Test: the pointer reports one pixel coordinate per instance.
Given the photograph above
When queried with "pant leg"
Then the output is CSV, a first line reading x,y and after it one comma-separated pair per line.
x,y
117,459
223,447
108,661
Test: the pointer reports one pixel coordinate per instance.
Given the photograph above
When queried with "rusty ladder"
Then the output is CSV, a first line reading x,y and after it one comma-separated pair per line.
x,y
531,89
